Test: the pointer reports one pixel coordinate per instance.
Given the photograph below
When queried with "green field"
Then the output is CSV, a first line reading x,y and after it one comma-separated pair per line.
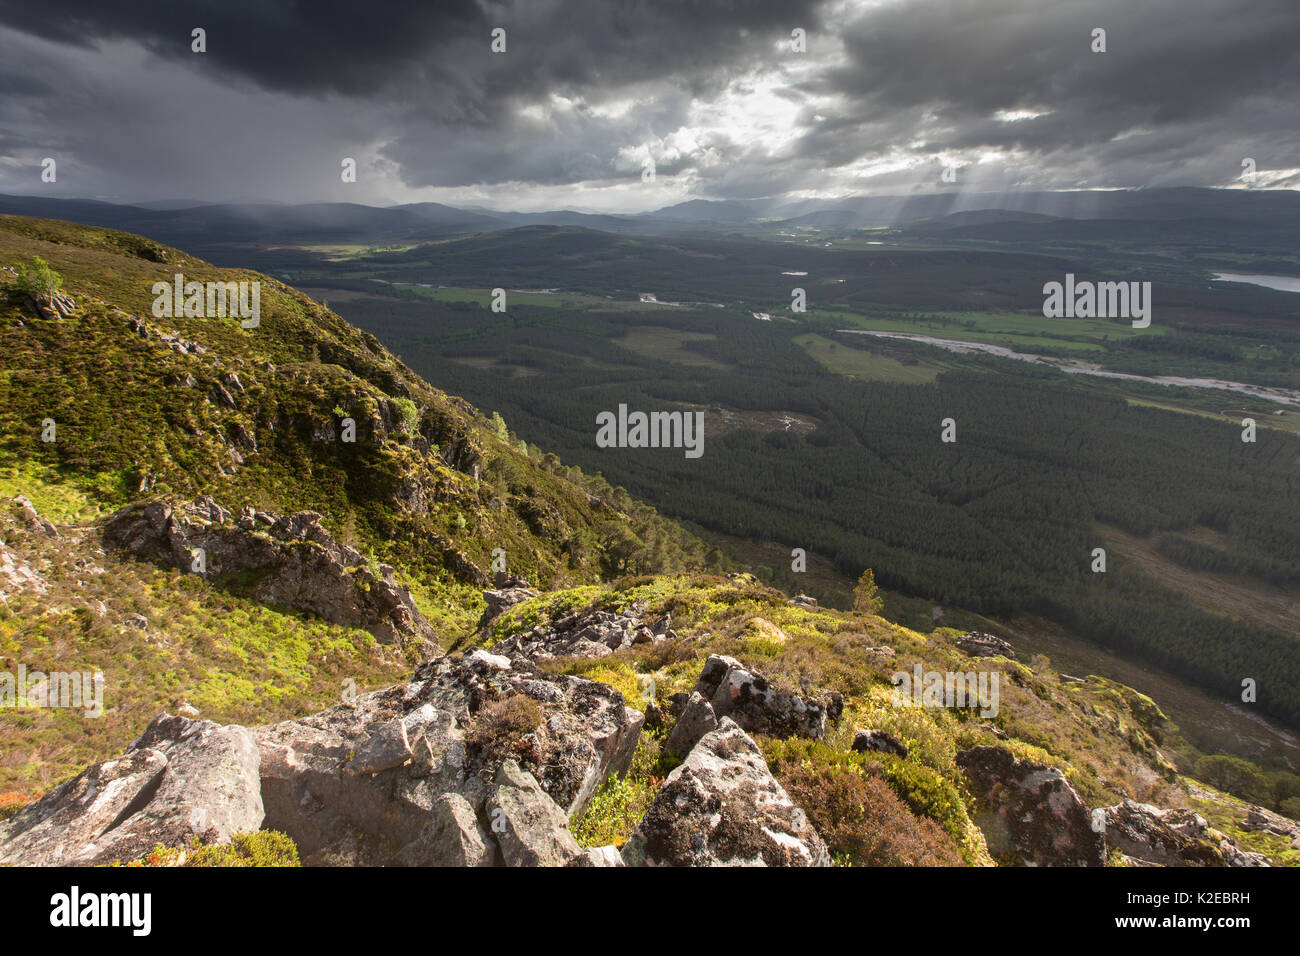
x,y
1012,330
669,345
864,365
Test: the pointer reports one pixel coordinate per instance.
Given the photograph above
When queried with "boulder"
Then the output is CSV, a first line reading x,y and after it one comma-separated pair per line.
x,y
696,720
1030,815
507,593
598,856
762,629
56,828
529,826
17,575
879,740
32,519
451,837
723,807
181,780
1260,819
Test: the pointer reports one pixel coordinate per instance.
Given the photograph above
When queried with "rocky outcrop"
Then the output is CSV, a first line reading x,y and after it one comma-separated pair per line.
x,y
1030,814
723,807
181,780
978,644
357,783
759,707
508,593
52,307
587,633
296,563
1266,821
476,761
17,575
32,519
1149,835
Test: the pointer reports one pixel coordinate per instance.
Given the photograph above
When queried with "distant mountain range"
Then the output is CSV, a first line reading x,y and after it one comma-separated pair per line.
x,y
970,215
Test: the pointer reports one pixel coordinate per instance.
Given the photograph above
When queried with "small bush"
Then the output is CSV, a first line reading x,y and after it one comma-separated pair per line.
x,y
260,848
408,416
11,802
501,723
264,848
38,280
618,807
620,676
614,812
864,823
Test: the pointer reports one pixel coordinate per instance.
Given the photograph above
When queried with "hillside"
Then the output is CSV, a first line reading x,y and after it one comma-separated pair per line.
x,y
200,532
175,408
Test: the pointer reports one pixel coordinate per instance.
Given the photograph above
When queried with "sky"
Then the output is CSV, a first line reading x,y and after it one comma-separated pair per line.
x,y
879,98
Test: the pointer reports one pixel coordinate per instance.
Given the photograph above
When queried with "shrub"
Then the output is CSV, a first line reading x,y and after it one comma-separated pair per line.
x,y
620,676
264,848
38,280
1235,775
864,823
614,812
10,803
260,848
500,724
408,416
621,803
922,789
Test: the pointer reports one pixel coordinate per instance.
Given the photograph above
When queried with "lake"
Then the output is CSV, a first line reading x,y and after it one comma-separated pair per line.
x,y
1281,283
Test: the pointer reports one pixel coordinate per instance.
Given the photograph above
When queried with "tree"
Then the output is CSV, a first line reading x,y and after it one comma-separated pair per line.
x,y
499,426
865,595
39,281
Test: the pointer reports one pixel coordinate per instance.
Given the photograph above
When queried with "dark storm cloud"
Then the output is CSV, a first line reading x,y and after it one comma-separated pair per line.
x,y
300,47
341,46
589,88
1184,76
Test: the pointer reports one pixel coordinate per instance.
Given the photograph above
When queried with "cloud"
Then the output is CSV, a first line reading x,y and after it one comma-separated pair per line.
x,y
887,93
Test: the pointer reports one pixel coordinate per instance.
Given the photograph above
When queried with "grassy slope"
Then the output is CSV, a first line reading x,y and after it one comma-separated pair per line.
x,y
127,420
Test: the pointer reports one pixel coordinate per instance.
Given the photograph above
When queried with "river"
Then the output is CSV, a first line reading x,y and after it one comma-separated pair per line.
x,y
1283,396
